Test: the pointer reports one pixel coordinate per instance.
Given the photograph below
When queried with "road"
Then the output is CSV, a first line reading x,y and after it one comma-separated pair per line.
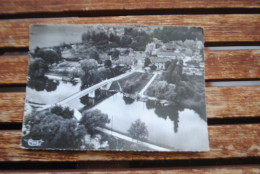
x,y
141,93
124,137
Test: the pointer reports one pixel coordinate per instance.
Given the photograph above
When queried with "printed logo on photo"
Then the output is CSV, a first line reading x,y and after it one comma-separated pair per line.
x,y
32,142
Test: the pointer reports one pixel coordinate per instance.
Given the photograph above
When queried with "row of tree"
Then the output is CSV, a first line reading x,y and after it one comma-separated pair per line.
x,y
132,38
58,128
184,90
138,39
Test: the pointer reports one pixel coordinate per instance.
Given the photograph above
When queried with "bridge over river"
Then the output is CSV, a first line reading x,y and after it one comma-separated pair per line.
x,y
104,85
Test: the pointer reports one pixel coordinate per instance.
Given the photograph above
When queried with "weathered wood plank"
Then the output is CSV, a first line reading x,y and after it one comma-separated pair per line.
x,y
31,6
13,69
229,141
188,170
238,64
11,107
218,28
222,102
229,102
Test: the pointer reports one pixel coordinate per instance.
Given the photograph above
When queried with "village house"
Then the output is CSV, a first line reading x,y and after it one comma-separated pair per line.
x,y
159,62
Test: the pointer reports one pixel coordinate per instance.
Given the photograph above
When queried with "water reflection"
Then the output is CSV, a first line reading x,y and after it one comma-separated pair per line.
x,y
166,112
43,83
49,91
172,111
88,102
168,126
128,100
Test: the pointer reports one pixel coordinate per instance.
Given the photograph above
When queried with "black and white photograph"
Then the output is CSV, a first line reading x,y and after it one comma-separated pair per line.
x,y
115,87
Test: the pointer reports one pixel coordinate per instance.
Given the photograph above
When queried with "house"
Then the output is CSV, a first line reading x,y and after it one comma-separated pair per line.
x,y
159,62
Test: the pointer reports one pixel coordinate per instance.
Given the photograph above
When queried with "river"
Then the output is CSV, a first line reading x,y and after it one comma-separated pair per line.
x,y
169,127
191,132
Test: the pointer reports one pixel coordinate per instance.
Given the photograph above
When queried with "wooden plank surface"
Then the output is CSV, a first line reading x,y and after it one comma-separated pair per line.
x,y
222,102
226,141
29,6
238,64
188,170
12,107
13,69
230,102
218,28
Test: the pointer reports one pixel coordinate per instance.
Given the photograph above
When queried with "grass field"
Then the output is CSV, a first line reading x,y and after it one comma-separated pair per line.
x,y
135,82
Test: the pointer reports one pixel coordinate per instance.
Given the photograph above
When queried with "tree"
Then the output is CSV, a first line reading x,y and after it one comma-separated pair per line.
x,y
89,73
56,131
94,55
147,62
93,119
168,74
158,89
167,64
84,100
138,130
37,68
129,87
114,54
177,73
108,63
114,38
88,64
64,112
99,39
167,33
125,41
153,67
86,36
42,83
50,56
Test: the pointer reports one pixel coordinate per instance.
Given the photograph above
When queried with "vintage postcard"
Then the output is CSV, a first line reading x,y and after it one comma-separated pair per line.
x,y
115,87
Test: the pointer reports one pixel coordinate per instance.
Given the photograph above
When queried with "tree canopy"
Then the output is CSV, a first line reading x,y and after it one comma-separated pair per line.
x,y
92,119
138,130
56,131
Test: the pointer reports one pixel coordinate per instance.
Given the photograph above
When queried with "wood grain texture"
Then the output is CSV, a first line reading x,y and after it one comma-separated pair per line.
x,y
238,64
30,6
228,102
229,141
222,102
217,28
13,69
188,170
12,107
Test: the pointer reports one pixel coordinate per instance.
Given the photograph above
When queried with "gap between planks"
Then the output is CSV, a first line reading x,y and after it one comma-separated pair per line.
x,y
226,141
219,65
185,170
217,28
31,6
221,102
